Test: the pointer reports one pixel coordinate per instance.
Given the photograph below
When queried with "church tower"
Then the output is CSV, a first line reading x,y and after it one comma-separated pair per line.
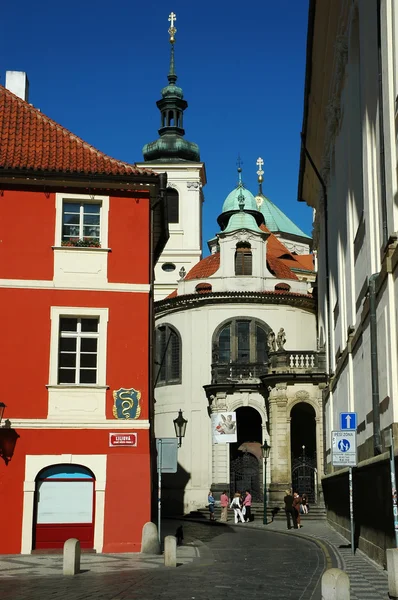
x,y
186,176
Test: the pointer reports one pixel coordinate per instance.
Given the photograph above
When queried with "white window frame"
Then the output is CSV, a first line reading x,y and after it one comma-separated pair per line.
x,y
82,199
67,311
78,335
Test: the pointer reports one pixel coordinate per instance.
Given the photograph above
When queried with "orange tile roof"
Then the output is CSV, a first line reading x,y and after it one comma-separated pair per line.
x,y
31,141
280,267
206,267
306,261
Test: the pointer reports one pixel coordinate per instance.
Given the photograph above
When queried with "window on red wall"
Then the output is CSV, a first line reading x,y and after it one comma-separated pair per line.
x,y
78,350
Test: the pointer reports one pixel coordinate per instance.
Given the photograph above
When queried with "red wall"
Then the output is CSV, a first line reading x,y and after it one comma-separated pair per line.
x,y
27,232
129,240
127,494
25,324
27,235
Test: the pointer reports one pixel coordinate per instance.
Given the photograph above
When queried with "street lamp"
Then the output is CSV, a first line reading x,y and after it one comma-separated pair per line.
x,y
180,425
265,449
2,409
8,437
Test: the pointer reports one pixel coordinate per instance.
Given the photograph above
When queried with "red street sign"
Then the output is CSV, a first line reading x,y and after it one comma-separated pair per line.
x,y
122,439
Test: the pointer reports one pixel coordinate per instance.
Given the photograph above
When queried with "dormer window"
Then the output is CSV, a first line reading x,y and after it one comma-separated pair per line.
x,y
243,259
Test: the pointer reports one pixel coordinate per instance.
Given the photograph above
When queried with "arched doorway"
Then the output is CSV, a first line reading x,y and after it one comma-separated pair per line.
x,y
303,449
245,455
64,507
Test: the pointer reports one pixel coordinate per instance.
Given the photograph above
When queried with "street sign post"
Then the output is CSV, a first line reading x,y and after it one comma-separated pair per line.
x,y
344,454
348,421
344,448
166,463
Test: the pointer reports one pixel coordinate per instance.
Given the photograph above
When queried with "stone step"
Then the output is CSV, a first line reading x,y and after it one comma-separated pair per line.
x,y
315,513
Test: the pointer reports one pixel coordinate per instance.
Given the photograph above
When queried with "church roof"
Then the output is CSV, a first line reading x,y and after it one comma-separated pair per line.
x,y
241,220
276,259
31,141
275,219
231,202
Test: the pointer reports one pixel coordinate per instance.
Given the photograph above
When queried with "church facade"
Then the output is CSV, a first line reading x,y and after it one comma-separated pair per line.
x,y
235,333
237,340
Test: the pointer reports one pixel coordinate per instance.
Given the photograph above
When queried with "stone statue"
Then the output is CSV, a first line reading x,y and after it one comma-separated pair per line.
x,y
281,339
271,341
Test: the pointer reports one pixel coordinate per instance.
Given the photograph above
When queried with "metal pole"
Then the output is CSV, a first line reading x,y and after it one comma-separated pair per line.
x,y
393,487
159,487
351,510
265,492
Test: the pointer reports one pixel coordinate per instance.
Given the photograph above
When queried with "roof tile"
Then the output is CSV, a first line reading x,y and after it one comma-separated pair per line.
x,y
31,141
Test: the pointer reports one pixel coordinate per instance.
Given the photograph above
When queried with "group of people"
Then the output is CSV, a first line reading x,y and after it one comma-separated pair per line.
x,y
295,505
241,505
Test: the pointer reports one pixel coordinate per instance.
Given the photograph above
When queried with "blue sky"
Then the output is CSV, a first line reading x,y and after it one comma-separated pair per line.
x,y
98,67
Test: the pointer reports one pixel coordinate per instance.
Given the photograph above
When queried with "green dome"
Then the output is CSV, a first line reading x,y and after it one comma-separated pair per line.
x,y
172,91
275,219
231,202
242,220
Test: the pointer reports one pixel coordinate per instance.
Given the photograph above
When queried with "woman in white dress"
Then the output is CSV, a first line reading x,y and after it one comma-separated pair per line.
x,y
235,504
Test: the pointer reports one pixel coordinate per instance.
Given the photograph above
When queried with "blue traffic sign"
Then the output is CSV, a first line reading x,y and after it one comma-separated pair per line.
x,y
348,421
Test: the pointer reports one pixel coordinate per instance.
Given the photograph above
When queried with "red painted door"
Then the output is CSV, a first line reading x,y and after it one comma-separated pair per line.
x,y
64,509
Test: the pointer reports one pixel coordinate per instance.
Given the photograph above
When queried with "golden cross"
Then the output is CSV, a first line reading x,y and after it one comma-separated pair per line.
x,y
172,18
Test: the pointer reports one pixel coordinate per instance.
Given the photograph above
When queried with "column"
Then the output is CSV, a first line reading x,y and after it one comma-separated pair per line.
x,y
280,444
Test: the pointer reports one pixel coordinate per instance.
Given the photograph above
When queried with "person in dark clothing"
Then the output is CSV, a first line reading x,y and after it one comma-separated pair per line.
x,y
290,511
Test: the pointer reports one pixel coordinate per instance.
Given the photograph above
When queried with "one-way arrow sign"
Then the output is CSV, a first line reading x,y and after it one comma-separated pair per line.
x,y
348,421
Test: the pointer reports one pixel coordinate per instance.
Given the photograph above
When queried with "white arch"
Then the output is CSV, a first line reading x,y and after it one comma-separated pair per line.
x,y
36,463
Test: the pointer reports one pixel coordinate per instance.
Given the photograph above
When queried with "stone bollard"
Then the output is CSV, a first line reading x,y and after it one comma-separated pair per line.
x,y
150,542
71,557
335,585
392,568
170,551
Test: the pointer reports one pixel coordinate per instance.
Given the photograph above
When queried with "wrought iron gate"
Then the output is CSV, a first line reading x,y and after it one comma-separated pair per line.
x,y
246,474
304,477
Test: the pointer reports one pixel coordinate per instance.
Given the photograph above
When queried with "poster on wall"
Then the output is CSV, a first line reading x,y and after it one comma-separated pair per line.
x,y
223,427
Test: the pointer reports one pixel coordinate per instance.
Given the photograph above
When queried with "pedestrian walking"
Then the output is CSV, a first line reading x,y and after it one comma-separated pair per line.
x,y
224,501
290,510
296,506
211,503
236,505
247,506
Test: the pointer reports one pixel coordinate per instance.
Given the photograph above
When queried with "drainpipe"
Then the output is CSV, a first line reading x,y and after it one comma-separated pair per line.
x,y
374,365
325,203
383,191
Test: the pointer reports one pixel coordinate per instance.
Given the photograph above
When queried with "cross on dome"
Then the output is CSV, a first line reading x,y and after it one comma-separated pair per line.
x,y
172,29
259,163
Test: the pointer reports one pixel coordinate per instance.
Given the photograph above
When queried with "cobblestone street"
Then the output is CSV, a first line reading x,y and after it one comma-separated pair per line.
x,y
257,564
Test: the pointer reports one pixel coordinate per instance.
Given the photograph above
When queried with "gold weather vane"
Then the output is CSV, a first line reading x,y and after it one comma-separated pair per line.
x,y
172,29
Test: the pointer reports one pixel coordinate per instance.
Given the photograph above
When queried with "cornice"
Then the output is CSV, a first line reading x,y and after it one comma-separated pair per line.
x,y
191,301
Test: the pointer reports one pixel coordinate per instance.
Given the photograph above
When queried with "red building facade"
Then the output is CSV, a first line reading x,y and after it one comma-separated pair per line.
x,y
79,234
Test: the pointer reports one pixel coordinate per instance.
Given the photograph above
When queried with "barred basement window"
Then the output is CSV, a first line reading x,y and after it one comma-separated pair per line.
x,y
243,259
168,355
78,350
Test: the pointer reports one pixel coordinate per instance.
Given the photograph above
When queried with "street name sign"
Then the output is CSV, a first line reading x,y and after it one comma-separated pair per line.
x,y
344,448
348,421
167,449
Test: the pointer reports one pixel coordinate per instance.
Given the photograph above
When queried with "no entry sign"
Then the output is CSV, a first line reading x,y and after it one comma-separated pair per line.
x,y
122,439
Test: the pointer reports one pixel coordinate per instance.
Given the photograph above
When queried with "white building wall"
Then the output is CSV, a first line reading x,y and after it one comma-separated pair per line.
x,y
196,328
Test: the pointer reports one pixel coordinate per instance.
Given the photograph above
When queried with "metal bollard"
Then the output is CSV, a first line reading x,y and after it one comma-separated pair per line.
x,y
71,557
335,585
392,569
170,551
